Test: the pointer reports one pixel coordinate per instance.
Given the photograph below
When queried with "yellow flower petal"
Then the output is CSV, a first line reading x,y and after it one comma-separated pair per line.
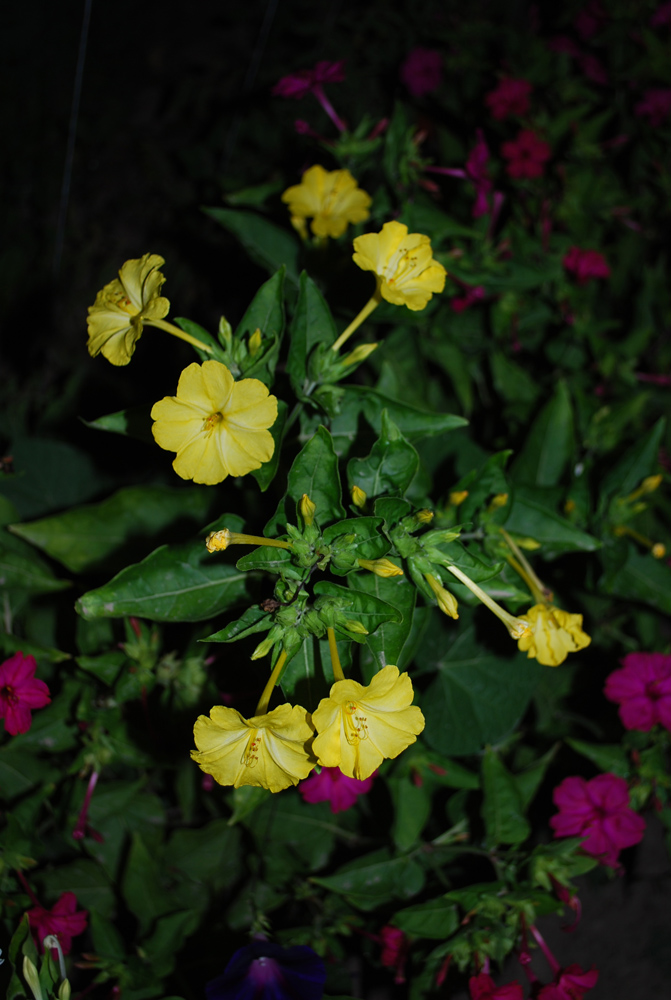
x,y
407,273
554,634
271,751
331,199
217,426
358,727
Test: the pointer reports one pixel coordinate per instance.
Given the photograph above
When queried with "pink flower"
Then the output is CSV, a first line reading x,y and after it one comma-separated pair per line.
x,y
422,71
527,154
586,264
20,692
61,920
311,81
599,811
643,689
483,987
571,984
331,785
474,294
511,97
655,106
395,947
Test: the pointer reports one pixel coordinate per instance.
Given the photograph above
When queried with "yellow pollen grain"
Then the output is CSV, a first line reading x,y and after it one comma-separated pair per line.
x,y
211,422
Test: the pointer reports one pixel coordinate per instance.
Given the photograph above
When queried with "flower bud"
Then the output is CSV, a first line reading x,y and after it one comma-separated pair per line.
x,y
353,626
358,355
658,550
358,497
307,510
254,345
381,567
457,497
263,648
424,516
225,332
32,978
447,602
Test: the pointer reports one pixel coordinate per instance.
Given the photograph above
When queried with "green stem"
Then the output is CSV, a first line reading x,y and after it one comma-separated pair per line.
x,y
520,565
516,626
176,332
372,303
264,700
335,659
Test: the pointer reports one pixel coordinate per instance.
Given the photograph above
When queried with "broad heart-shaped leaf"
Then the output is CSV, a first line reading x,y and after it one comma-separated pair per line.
x,y
502,807
134,422
265,313
412,422
376,879
549,445
27,572
315,472
182,583
265,475
359,605
476,697
532,517
640,577
267,244
436,919
386,643
391,465
49,475
637,463
85,536
312,324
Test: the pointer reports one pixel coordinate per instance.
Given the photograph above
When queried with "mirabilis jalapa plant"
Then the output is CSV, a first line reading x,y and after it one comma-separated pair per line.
x,y
366,581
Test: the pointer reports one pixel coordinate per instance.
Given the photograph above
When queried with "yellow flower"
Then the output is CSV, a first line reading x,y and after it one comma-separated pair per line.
x,y
217,426
330,198
270,750
407,273
360,726
121,307
554,634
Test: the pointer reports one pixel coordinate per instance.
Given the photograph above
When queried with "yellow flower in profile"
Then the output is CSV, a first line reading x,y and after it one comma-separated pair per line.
x,y
269,750
407,273
358,727
217,426
332,199
116,317
554,634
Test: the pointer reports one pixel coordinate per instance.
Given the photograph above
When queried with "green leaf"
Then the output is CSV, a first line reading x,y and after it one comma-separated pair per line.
x,y
359,605
19,572
87,880
142,885
376,879
387,642
412,808
412,422
640,578
107,941
312,324
265,313
267,244
198,332
637,463
21,771
436,919
85,537
182,583
265,475
476,697
529,781
268,559
315,472
209,856
49,475
531,517
502,808
253,620
357,538
607,756
549,446
135,422
391,465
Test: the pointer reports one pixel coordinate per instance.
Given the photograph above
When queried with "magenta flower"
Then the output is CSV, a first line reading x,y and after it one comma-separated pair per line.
x,y
586,264
473,294
20,692
63,920
511,97
655,106
331,785
599,811
311,81
263,970
643,689
571,984
483,987
395,948
422,71
475,171
527,154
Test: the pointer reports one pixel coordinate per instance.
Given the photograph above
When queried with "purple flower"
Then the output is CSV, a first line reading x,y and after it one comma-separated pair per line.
x,y
527,154
266,971
571,984
63,919
655,106
20,693
599,811
311,81
422,71
483,987
331,785
586,264
511,97
643,689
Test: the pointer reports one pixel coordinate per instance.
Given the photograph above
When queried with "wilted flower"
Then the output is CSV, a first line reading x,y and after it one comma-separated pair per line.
x,y
643,689
121,308
270,750
475,293
332,786
21,692
266,971
511,97
406,272
422,71
586,264
599,811
331,199
655,106
358,727
217,426
554,634
311,81
63,920
483,987
571,984
527,154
